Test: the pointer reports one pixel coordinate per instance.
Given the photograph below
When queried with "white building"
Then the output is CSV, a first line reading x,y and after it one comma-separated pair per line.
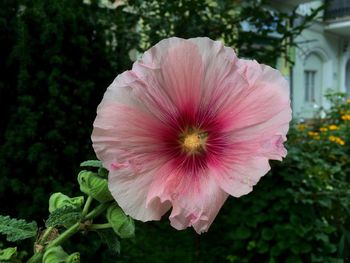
x,y
322,59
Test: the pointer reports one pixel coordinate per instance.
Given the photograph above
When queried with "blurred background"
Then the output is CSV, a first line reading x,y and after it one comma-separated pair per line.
x,y
57,58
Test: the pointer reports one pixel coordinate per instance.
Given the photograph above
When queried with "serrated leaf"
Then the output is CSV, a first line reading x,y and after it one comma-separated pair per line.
x,y
7,253
17,229
64,216
109,237
92,163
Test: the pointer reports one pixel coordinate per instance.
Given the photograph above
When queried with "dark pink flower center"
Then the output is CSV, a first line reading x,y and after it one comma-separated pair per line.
x,y
192,141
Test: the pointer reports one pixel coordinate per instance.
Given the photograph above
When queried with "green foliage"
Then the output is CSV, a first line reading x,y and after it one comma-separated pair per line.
x,y
17,229
269,35
57,58
7,254
58,255
64,216
91,163
109,237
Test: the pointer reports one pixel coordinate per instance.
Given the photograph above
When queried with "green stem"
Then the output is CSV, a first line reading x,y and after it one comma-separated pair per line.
x,y
75,228
45,235
97,211
87,206
100,226
36,258
65,235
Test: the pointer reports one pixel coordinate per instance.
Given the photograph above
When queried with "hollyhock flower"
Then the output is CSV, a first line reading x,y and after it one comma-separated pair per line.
x,y
188,126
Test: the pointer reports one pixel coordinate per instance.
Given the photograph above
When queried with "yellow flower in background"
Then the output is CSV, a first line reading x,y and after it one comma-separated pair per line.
x,y
323,129
345,117
332,138
312,134
336,139
348,101
301,127
333,127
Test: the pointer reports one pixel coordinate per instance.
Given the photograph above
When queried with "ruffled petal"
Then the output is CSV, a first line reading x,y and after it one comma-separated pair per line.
x,y
196,198
171,73
257,120
131,192
126,139
240,174
125,136
221,80
264,102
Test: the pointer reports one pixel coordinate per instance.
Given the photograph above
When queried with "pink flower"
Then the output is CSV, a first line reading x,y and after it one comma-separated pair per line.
x,y
188,126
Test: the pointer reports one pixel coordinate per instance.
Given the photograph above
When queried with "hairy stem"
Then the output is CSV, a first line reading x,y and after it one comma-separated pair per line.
x,y
97,211
45,235
99,226
37,257
65,235
86,206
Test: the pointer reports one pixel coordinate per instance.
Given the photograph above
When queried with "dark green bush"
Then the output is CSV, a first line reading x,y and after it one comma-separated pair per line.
x,y
59,57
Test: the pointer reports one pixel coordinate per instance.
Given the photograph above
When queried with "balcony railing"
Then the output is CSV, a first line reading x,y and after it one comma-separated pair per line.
x,y
337,10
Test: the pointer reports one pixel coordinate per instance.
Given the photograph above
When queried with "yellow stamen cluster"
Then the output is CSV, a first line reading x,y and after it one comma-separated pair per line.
x,y
193,141
336,139
345,117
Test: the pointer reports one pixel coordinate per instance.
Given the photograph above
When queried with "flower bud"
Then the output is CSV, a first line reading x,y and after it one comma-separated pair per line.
x,y
58,255
94,186
122,224
58,200
74,258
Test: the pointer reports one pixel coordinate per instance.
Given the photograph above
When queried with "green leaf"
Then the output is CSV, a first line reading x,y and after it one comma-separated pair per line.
x,y
7,253
293,259
267,234
92,163
58,200
17,229
64,216
55,255
122,224
242,232
58,255
109,237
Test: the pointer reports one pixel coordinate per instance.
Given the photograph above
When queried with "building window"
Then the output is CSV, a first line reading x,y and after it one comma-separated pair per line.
x,y
347,78
310,76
